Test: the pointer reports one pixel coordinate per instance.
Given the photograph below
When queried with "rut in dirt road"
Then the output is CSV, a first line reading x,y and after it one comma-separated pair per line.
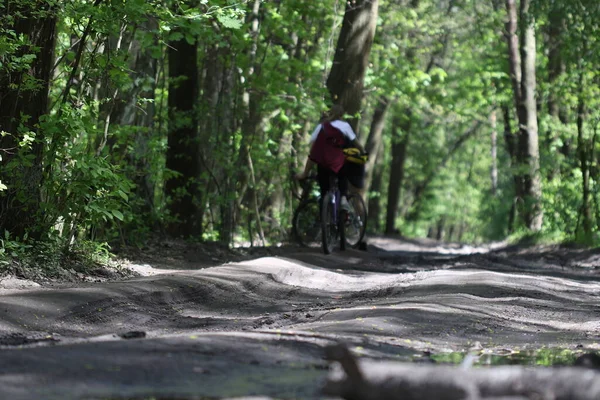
x,y
257,315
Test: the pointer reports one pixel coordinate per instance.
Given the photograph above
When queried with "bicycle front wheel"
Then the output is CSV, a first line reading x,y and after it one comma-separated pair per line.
x,y
328,224
356,222
306,225
343,217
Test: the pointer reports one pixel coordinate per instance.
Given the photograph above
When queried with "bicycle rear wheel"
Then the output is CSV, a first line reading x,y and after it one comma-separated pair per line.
x,y
306,224
328,224
356,222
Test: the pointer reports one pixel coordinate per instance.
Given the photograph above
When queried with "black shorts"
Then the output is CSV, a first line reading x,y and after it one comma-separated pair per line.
x,y
355,174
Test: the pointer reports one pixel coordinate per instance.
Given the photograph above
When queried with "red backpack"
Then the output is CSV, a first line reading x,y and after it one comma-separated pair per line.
x,y
327,148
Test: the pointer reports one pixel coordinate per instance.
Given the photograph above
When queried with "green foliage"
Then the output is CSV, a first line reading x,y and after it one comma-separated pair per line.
x,y
83,190
50,258
12,249
546,357
262,89
525,237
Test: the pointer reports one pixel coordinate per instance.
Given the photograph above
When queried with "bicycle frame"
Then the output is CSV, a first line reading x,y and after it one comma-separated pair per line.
x,y
302,227
331,226
336,197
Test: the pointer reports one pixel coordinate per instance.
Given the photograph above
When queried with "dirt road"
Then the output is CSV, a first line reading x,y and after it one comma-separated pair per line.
x,y
257,327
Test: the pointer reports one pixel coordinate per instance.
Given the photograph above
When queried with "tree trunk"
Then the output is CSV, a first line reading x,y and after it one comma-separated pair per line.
x,y
401,129
440,229
374,141
515,75
528,132
374,200
21,109
510,141
110,91
582,150
494,153
523,76
556,66
345,81
183,147
513,49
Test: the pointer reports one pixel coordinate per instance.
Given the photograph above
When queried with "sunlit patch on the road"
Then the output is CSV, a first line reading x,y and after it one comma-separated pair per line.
x,y
297,274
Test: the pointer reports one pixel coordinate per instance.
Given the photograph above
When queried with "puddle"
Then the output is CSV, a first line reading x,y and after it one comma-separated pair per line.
x,y
540,357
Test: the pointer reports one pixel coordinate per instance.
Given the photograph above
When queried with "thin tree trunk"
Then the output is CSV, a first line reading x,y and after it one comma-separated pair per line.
x,y
110,106
494,153
556,67
257,215
374,141
451,230
76,62
401,130
509,140
439,229
594,173
586,210
374,200
513,49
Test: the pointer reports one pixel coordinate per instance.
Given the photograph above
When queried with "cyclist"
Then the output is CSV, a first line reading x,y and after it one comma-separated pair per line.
x,y
328,140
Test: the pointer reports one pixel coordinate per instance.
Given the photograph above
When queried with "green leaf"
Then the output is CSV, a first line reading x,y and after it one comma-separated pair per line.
x,y
175,36
230,22
190,39
118,214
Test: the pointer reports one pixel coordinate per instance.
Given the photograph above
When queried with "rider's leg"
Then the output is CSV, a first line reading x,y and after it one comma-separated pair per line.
x,y
343,186
323,175
323,179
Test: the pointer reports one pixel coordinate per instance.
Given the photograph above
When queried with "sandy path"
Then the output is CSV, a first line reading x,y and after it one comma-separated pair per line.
x,y
258,327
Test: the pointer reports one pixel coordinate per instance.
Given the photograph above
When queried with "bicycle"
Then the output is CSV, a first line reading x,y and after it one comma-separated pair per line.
x,y
333,218
306,223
